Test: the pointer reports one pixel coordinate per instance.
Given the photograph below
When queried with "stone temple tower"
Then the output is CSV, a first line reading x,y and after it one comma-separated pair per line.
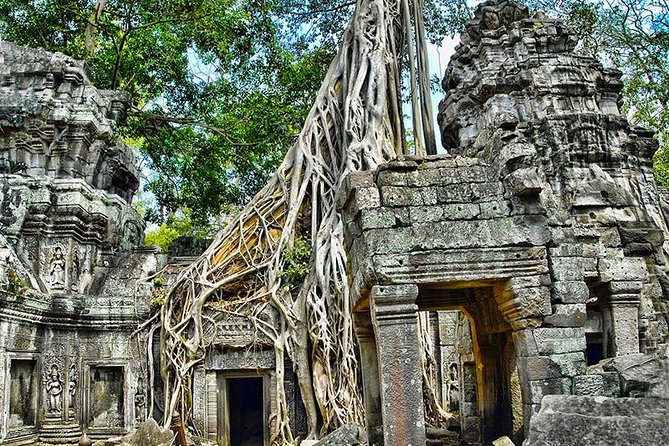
x,y
73,281
542,225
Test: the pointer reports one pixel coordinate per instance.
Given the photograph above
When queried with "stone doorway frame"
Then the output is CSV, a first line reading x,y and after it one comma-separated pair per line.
x,y
223,402
128,405
386,326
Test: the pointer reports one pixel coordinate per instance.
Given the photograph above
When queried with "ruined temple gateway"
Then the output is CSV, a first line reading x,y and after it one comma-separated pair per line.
x,y
533,254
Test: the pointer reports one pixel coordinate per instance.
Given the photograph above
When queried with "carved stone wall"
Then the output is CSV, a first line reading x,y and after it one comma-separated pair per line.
x,y
73,279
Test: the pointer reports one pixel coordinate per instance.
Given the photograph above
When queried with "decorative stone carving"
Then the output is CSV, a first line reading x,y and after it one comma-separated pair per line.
x,y
140,403
69,263
72,389
56,270
54,391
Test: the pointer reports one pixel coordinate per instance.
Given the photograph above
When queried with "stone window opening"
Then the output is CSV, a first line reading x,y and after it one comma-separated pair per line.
x,y
595,345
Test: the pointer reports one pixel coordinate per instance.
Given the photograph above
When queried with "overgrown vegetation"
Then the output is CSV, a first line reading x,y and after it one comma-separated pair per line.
x,y
296,260
219,88
15,284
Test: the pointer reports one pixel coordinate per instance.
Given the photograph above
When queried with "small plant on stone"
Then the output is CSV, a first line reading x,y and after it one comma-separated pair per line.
x,y
15,284
159,281
157,298
296,261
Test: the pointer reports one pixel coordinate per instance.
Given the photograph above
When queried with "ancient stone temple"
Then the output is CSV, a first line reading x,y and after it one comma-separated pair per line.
x,y
532,256
543,225
73,281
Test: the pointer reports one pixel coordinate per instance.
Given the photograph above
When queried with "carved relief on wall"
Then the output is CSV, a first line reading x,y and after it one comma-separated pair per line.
x,y
54,390
56,269
53,381
85,278
5,257
140,403
72,391
75,270
12,210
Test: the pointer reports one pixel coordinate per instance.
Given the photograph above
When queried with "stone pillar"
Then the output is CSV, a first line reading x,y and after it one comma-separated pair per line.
x,y
621,320
371,387
396,327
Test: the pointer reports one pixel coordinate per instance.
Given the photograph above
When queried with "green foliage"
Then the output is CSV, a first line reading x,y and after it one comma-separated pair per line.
x,y
173,228
159,281
296,262
157,299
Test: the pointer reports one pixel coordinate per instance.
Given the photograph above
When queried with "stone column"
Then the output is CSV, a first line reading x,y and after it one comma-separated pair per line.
x,y
621,320
371,387
396,327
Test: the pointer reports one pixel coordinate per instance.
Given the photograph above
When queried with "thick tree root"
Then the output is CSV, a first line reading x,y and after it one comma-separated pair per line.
x,y
351,127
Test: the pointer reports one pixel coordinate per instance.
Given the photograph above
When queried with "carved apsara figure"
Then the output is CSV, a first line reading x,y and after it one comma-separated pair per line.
x,y
54,390
140,403
72,387
57,268
76,268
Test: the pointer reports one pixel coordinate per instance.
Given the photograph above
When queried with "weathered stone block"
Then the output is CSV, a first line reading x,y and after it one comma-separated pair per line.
x,y
566,250
640,374
581,420
534,391
425,214
464,211
570,364
625,287
560,340
622,269
394,196
346,435
364,198
524,182
432,177
570,292
455,193
391,178
536,368
532,302
567,315
503,441
601,384
375,218
494,209
564,269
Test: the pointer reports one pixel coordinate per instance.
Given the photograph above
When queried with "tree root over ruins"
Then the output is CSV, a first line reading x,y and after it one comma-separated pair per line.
x,y
354,125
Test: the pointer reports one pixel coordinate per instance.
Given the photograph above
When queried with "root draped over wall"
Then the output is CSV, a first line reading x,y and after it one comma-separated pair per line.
x,y
355,124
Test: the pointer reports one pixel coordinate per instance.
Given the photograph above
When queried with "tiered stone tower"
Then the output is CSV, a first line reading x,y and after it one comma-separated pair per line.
x,y
73,281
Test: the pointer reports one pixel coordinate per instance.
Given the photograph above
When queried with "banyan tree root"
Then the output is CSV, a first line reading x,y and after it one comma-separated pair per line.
x,y
355,124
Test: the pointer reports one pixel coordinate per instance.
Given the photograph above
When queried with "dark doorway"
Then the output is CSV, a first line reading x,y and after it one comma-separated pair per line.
x,y
246,414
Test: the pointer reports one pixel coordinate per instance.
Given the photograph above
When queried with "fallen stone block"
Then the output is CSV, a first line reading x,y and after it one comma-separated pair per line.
x,y
568,420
